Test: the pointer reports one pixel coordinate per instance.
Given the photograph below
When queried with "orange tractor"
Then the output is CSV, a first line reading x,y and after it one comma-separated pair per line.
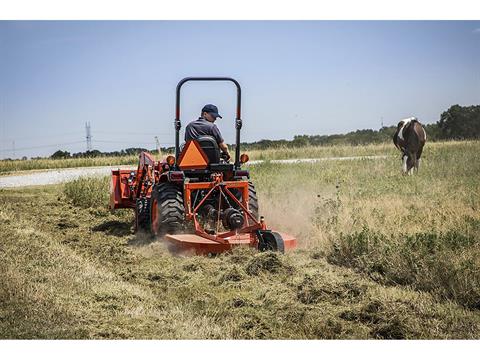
x,y
196,200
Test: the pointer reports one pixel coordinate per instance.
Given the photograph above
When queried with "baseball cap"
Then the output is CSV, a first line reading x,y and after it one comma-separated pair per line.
x,y
212,110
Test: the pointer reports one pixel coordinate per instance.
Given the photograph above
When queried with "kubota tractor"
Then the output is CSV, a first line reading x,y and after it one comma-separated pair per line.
x,y
196,200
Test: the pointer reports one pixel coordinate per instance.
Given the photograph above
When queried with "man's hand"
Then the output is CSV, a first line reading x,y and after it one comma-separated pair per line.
x,y
225,156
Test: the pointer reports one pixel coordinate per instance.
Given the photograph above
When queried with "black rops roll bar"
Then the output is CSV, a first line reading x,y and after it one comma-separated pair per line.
x,y
238,120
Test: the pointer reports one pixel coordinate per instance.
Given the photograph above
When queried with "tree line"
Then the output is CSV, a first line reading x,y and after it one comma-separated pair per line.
x,y
456,123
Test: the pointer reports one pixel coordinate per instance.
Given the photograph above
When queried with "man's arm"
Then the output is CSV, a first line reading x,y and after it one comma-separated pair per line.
x,y
223,147
220,141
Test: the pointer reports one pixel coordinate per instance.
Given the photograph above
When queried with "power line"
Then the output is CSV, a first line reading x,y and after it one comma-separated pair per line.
x,y
50,136
132,133
42,146
76,142
127,142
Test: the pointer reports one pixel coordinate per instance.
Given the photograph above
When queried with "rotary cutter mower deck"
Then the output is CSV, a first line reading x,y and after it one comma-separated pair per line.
x,y
196,200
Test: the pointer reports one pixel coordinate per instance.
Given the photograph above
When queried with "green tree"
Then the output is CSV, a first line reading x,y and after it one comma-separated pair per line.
x,y
460,122
59,154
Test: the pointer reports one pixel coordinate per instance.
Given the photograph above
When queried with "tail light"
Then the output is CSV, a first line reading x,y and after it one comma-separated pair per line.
x,y
171,160
244,158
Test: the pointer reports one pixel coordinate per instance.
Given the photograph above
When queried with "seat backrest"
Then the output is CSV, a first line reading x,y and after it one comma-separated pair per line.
x,y
210,147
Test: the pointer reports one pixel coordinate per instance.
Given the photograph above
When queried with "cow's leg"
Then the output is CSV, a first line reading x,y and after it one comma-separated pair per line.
x,y
410,164
415,162
404,166
419,154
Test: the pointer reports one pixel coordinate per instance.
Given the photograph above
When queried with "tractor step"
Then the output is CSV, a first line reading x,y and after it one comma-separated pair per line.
x,y
202,246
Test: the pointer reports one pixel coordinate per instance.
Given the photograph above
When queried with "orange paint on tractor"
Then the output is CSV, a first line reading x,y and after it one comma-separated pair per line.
x,y
192,157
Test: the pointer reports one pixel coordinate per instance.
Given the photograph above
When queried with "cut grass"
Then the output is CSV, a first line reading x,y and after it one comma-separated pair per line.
x,y
78,281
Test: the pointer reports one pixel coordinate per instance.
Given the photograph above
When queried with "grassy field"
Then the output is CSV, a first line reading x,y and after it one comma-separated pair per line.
x,y
9,166
381,256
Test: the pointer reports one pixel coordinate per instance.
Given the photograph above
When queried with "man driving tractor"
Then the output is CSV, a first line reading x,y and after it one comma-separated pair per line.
x,y
205,125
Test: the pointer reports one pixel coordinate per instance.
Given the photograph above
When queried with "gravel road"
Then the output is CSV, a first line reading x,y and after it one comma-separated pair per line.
x,y
57,176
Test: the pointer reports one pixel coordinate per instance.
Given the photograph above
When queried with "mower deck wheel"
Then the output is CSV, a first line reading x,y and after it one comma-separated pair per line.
x,y
271,241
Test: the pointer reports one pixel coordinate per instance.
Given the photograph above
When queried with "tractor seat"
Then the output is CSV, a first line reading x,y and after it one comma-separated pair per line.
x,y
210,147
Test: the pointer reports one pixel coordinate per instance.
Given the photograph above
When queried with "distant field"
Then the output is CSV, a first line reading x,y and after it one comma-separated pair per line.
x,y
268,154
306,152
381,256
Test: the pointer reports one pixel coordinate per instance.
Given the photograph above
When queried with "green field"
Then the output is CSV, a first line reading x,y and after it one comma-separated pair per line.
x,y
381,256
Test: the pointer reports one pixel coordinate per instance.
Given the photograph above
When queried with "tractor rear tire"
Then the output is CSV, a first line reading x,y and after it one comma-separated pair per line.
x,y
142,215
252,200
167,202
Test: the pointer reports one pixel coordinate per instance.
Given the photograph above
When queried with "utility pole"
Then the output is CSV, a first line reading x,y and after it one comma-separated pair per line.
x,y
89,136
158,147
13,149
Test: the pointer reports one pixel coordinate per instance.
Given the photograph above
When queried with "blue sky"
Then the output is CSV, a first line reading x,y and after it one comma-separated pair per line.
x,y
298,77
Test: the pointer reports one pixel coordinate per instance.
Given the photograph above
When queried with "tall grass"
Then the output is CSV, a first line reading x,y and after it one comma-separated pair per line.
x,y
308,152
422,231
7,166
88,191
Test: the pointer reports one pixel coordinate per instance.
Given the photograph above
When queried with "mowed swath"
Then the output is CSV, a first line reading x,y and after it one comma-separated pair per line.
x,y
382,256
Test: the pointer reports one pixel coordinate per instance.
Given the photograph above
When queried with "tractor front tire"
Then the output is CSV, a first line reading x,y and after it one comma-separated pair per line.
x,y
167,209
142,215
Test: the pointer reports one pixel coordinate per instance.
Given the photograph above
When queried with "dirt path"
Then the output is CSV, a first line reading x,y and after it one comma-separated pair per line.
x,y
56,176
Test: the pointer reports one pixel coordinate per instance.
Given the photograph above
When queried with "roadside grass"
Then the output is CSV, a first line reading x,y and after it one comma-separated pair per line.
x,y
9,166
381,256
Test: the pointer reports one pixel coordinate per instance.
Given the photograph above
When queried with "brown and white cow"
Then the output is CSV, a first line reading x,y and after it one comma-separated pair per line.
x,y
410,138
